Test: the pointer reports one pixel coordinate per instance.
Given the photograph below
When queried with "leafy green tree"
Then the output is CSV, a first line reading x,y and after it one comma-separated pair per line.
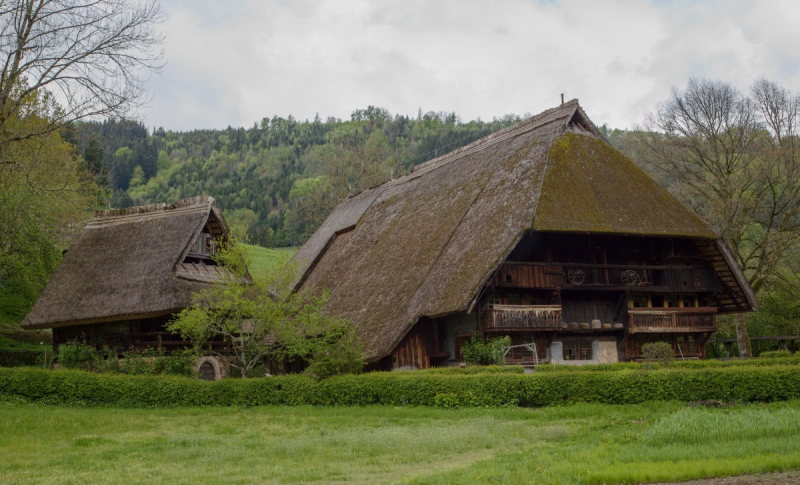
x,y
311,199
44,195
263,320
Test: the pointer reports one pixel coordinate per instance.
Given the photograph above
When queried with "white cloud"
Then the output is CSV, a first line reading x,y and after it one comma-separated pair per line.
x,y
233,63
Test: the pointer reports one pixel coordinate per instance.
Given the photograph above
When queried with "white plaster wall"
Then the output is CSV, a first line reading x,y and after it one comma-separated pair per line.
x,y
604,351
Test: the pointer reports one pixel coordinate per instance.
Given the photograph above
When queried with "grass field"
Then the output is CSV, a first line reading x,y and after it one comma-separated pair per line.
x,y
262,259
563,445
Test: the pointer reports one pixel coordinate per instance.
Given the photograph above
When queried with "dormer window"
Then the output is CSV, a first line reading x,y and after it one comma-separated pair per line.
x,y
204,245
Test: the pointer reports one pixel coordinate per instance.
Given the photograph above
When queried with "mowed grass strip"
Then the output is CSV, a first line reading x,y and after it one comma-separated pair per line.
x,y
583,443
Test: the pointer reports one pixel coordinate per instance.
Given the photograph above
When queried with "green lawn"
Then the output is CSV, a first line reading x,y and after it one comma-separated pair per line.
x,y
263,259
570,444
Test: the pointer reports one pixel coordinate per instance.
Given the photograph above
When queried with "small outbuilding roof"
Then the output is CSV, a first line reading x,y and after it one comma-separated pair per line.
x,y
129,263
425,243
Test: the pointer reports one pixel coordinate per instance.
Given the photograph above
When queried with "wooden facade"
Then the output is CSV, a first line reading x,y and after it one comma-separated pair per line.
x,y
657,289
631,290
420,349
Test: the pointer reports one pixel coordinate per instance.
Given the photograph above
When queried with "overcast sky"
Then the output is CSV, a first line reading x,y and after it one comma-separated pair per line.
x,y
236,62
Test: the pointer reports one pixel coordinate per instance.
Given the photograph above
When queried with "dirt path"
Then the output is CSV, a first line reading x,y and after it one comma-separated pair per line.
x,y
786,478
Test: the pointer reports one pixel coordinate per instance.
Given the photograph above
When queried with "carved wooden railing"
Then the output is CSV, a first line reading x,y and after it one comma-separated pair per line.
x,y
672,319
572,275
500,318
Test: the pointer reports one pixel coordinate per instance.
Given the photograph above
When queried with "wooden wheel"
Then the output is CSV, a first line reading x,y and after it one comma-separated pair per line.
x,y
631,277
575,276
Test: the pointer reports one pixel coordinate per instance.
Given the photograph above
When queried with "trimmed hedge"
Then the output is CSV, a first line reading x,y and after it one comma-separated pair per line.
x,y
775,354
470,369
762,384
20,358
792,360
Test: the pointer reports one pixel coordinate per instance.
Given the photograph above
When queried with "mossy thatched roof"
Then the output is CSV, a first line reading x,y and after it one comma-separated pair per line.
x,y
126,264
424,244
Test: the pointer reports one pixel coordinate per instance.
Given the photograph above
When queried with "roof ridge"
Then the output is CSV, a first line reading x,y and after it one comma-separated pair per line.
x,y
202,201
536,121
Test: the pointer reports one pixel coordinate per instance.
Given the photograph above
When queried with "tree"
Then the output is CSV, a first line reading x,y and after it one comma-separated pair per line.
x,y
44,196
62,61
263,319
735,159
311,201
360,161
93,55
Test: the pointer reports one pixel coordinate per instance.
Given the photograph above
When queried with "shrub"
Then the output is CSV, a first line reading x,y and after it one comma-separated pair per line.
x,y
660,352
478,351
735,384
20,358
682,364
77,354
775,354
177,364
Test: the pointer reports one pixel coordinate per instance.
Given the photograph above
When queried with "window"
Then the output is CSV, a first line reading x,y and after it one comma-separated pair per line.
x,y
204,244
679,346
576,350
584,350
569,351
494,299
691,344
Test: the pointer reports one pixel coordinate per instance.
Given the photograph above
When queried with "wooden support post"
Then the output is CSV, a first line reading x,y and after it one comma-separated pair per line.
x,y
159,341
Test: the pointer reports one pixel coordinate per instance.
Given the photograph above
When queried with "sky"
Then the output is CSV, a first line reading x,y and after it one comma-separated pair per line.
x,y
234,62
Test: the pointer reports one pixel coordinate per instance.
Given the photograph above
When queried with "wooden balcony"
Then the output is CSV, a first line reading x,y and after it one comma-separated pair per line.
x,y
671,320
606,277
518,318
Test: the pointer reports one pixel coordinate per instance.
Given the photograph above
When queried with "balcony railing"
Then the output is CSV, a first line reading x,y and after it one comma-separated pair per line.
x,y
503,318
611,276
691,319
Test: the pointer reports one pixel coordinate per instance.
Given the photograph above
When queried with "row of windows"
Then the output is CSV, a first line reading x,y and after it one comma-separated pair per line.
x,y
576,350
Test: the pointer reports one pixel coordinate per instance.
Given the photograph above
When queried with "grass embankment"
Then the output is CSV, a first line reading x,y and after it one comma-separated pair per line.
x,y
264,259
12,337
583,443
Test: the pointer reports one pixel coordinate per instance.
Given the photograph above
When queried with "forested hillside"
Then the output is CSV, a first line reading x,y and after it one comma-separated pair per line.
x,y
277,180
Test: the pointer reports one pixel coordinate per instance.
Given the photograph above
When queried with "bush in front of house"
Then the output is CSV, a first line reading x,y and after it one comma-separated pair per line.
x,y
658,352
734,384
76,354
480,351
21,358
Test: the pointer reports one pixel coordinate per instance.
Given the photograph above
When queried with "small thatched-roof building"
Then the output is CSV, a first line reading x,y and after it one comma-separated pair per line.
x,y
129,271
541,231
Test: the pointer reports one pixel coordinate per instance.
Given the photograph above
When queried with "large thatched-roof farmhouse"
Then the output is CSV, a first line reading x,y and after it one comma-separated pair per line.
x,y
542,232
128,272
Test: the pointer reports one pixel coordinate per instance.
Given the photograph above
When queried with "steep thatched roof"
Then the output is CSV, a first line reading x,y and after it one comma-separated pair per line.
x,y
128,263
424,244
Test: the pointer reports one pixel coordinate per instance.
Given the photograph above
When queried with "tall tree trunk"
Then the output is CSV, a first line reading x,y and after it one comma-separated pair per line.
x,y
743,336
